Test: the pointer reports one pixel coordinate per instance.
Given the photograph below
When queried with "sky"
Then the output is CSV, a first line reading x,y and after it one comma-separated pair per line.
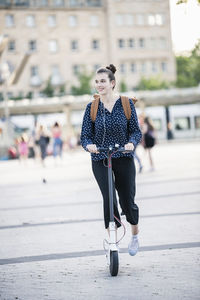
x,y
185,25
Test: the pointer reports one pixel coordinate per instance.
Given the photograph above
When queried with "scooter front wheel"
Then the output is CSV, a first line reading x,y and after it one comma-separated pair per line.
x,y
114,263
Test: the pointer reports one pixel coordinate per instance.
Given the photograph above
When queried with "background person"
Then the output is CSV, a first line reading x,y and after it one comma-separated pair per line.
x,y
42,138
57,140
23,148
111,127
149,139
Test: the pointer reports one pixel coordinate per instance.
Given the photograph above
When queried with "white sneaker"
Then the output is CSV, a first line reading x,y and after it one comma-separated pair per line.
x,y
133,246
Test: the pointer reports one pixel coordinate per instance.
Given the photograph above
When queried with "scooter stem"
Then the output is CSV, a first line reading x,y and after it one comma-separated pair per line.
x,y
112,241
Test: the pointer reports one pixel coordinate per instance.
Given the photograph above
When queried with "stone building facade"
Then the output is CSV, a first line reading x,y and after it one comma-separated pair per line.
x,y
65,37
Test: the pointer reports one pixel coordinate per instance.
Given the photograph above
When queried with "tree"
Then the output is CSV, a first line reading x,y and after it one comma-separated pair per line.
x,y
84,84
49,89
62,90
185,1
152,83
188,68
123,86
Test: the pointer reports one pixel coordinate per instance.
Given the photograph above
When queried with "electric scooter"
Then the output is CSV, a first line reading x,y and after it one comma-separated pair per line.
x,y
112,251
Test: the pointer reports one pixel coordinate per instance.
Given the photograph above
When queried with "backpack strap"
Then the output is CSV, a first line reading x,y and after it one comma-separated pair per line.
x,y
126,106
94,107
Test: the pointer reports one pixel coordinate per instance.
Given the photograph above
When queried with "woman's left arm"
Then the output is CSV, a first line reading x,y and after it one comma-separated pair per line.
x,y
87,132
135,134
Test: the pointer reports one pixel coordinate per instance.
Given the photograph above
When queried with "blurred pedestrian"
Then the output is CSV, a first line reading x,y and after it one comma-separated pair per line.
x,y
42,139
23,148
149,139
170,135
57,140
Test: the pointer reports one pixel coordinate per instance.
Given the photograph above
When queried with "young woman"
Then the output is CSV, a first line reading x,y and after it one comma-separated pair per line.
x,y
111,127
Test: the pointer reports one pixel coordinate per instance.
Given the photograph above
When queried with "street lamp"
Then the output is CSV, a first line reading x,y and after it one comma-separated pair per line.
x,y
9,78
5,74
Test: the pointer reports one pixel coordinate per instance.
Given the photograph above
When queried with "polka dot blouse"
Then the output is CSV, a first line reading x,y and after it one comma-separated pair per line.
x,y
110,128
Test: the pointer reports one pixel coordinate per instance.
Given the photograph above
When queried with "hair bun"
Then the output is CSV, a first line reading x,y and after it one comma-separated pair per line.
x,y
111,68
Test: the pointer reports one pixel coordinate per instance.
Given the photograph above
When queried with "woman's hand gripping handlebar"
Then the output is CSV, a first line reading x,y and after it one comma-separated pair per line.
x,y
92,148
127,148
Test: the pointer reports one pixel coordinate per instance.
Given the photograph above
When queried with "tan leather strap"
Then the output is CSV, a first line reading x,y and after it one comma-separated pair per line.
x,y
125,104
94,107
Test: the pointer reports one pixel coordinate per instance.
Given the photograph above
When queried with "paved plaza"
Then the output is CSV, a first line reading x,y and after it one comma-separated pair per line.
x,y
51,234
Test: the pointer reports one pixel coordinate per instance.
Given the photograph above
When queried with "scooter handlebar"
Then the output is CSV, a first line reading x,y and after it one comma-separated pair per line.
x,y
113,149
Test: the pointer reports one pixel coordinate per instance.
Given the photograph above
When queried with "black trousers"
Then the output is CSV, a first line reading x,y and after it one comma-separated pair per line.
x,y
123,182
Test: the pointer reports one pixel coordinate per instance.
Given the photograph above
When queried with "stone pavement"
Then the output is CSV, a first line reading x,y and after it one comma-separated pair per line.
x,y
51,234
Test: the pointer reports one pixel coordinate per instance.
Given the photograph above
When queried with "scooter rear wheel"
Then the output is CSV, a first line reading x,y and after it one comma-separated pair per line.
x,y
114,263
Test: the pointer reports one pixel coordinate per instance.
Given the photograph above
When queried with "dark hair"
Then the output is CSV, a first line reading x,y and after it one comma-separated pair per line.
x,y
110,70
149,123
56,124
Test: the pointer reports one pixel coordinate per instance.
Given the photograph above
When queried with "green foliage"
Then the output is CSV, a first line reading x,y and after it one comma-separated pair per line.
x,y
49,89
188,68
123,86
84,85
152,83
17,98
62,90
29,95
185,1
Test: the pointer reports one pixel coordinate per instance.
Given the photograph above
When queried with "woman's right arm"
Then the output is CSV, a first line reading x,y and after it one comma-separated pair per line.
x,y
87,132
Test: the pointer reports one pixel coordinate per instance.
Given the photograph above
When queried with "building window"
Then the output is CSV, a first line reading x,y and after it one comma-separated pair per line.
x,y
129,20
35,78
74,3
32,46
56,78
11,46
72,21
52,21
143,67
122,68
9,20
74,45
34,71
94,3
164,66
162,43
55,70
159,18
140,19
76,69
151,20
30,21
154,67
141,43
153,43
133,68
119,20
58,3
53,46
43,3
95,44
121,43
94,21
131,43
